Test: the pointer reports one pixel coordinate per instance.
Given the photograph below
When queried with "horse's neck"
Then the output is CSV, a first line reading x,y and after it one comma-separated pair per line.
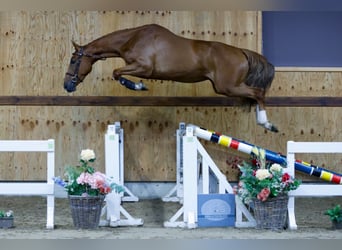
x,y
110,45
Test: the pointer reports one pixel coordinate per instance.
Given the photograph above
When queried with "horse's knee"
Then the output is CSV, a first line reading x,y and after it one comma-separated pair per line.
x,y
116,74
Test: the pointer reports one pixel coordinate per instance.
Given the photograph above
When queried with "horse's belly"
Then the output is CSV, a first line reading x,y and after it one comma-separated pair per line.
x,y
179,69
181,75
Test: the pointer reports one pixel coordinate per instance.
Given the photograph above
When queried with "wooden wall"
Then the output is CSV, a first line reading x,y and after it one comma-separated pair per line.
x,y
35,50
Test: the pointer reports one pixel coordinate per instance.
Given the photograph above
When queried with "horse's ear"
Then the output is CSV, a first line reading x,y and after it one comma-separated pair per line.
x,y
77,47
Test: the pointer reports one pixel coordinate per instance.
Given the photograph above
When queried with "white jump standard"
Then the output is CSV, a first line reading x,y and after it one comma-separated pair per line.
x,y
176,193
114,161
199,177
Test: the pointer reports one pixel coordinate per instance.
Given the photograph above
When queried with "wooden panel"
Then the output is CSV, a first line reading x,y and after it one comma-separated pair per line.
x,y
40,43
35,51
307,84
149,135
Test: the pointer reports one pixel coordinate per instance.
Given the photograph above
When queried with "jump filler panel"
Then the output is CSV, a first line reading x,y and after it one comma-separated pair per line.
x,y
216,210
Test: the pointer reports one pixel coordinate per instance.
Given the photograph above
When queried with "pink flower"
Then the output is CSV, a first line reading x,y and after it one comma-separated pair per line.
x,y
235,190
84,178
263,195
98,180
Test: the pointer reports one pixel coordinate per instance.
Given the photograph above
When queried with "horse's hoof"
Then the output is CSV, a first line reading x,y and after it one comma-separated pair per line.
x,y
274,129
142,86
269,126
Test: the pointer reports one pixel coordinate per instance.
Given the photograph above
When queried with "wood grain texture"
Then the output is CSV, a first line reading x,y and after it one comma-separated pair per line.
x,y
35,50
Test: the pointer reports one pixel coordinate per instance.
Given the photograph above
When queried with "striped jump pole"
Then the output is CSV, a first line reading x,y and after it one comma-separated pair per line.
x,y
247,148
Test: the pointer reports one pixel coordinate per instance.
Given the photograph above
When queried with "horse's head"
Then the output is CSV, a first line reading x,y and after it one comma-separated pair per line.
x,y
79,67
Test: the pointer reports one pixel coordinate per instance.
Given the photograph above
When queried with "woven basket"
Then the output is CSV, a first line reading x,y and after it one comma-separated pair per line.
x,y
272,213
337,225
86,211
6,222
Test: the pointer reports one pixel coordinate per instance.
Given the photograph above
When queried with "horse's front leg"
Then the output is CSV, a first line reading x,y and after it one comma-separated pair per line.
x,y
129,70
139,68
132,85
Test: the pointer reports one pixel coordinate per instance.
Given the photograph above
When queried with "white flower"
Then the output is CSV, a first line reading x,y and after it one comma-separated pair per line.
x,y
276,168
262,174
87,155
9,213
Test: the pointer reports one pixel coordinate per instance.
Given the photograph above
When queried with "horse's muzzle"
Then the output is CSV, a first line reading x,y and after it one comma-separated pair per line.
x,y
70,86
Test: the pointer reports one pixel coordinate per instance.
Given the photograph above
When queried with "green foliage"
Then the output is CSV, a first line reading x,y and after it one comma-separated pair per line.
x,y
72,173
334,213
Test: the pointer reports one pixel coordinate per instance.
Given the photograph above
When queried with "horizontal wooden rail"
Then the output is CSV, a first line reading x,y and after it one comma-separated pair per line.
x,y
283,101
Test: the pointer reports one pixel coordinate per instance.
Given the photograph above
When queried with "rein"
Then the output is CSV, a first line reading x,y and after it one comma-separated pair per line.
x,y
80,53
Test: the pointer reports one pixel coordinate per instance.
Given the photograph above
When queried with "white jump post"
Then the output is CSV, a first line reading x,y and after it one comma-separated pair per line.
x,y
114,164
189,183
33,188
196,180
310,190
176,193
114,160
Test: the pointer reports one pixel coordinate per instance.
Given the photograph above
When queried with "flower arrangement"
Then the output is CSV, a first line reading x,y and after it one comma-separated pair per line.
x,y
83,180
6,219
8,214
262,180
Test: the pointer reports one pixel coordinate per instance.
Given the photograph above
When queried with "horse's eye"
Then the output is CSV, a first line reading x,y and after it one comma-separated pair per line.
x,y
72,61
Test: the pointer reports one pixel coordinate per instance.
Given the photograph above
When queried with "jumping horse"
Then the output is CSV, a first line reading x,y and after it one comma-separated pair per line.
x,y
153,52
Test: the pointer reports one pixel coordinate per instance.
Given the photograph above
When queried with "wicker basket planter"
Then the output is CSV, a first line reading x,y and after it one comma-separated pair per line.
x,y
336,225
272,213
6,222
86,211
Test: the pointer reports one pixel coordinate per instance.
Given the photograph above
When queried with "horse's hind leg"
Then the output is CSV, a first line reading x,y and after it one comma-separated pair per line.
x,y
261,116
262,120
256,94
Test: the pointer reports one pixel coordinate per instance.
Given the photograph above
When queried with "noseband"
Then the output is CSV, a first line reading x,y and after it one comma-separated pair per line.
x,y
80,53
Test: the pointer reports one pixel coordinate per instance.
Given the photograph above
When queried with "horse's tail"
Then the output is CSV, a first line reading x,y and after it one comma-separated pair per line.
x,y
260,73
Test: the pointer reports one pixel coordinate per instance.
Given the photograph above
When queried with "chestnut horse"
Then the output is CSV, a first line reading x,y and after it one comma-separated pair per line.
x,y
153,52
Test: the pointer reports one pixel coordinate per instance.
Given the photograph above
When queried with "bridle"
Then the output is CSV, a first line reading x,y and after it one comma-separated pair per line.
x,y
80,53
